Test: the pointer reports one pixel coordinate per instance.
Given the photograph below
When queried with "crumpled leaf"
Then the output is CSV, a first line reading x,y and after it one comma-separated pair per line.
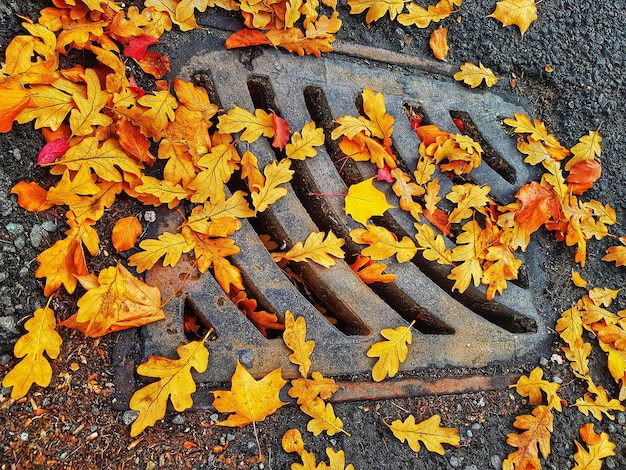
x,y
518,12
371,272
13,99
422,17
473,75
599,448
315,248
117,301
429,432
305,390
175,383
249,400
34,368
439,43
364,201
390,353
292,441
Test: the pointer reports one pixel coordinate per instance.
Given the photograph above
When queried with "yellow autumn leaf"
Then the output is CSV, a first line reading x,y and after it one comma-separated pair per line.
x,y
518,12
216,168
164,191
383,243
599,405
302,145
253,125
390,353
160,112
171,246
337,460
439,43
270,192
587,148
87,113
34,368
429,432
294,338
305,390
292,441
467,197
376,8
433,248
315,248
249,400
533,385
578,355
364,201
536,437
599,448
422,17
52,103
473,75
175,383
578,280
324,419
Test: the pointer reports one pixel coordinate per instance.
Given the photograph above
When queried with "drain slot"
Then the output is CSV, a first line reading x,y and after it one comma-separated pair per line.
x,y
489,156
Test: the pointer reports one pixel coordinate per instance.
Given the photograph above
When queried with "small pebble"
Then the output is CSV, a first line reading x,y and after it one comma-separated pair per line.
x,y
149,216
3,276
543,362
37,235
5,359
556,379
454,462
469,433
610,463
230,437
476,426
214,417
49,226
129,416
14,228
470,467
178,419
611,428
19,242
496,462
621,418
24,436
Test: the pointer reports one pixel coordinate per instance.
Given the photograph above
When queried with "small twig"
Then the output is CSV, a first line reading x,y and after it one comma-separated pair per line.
x,y
180,286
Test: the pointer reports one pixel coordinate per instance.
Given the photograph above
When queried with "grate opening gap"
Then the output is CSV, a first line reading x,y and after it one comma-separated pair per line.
x,y
416,114
466,126
204,79
195,323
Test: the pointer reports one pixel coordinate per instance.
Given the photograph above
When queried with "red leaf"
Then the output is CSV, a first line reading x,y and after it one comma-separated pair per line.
x,y
52,150
137,47
439,219
281,132
136,88
582,176
384,175
538,205
246,37
459,124
415,122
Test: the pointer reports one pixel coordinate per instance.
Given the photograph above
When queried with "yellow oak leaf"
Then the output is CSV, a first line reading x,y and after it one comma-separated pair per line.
x,y
429,432
390,353
79,34
406,189
533,385
599,405
217,166
103,159
175,383
171,246
302,145
315,40
379,123
603,296
164,191
250,170
308,462
253,125
383,243
160,111
305,390
34,368
203,218
179,164
473,75
537,432
422,17
364,201
315,248
125,233
376,8
51,103
70,188
578,355
294,338
472,242
599,447
63,261
518,12
501,266
270,192
337,460
116,302
467,197
324,418
249,400
87,113
587,148
91,208
537,131
433,248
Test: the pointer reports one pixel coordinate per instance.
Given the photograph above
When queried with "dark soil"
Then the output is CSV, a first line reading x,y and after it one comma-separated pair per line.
x,y
71,424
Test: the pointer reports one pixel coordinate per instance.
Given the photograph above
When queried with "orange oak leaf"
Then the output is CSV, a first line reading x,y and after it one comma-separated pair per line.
x,y
364,201
616,254
533,385
263,320
175,383
125,233
369,271
537,433
133,142
582,176
518,12
249,400
305,390
292,441
383,243
376,8
599,447
34,368
246,37
538,205
116,302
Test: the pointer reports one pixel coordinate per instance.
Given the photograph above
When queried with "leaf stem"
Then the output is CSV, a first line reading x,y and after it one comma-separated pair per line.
x,y
180,286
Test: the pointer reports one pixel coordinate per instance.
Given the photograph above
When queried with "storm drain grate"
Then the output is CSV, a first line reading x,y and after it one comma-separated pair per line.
x,y
458,331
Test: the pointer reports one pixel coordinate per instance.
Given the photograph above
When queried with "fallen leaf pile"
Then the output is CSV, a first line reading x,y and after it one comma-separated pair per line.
x,y
166,144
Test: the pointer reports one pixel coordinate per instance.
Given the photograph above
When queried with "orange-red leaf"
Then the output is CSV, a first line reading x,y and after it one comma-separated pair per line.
x,y
538,205
125,233
246,37
582,176
31,196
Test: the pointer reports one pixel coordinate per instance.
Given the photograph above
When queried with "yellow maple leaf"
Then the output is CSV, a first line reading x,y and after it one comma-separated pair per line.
x,y
270,192
473,75
315,248
294,338
117,301
87,113
249,400
383,243
518,12
34,368
175,383
533,385
171,246
125,233
599,448
253,125
324,419
302,145
537,432
364,201
429,432
390,353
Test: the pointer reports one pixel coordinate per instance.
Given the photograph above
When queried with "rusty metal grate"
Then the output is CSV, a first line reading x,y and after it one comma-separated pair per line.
x,y
450,330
